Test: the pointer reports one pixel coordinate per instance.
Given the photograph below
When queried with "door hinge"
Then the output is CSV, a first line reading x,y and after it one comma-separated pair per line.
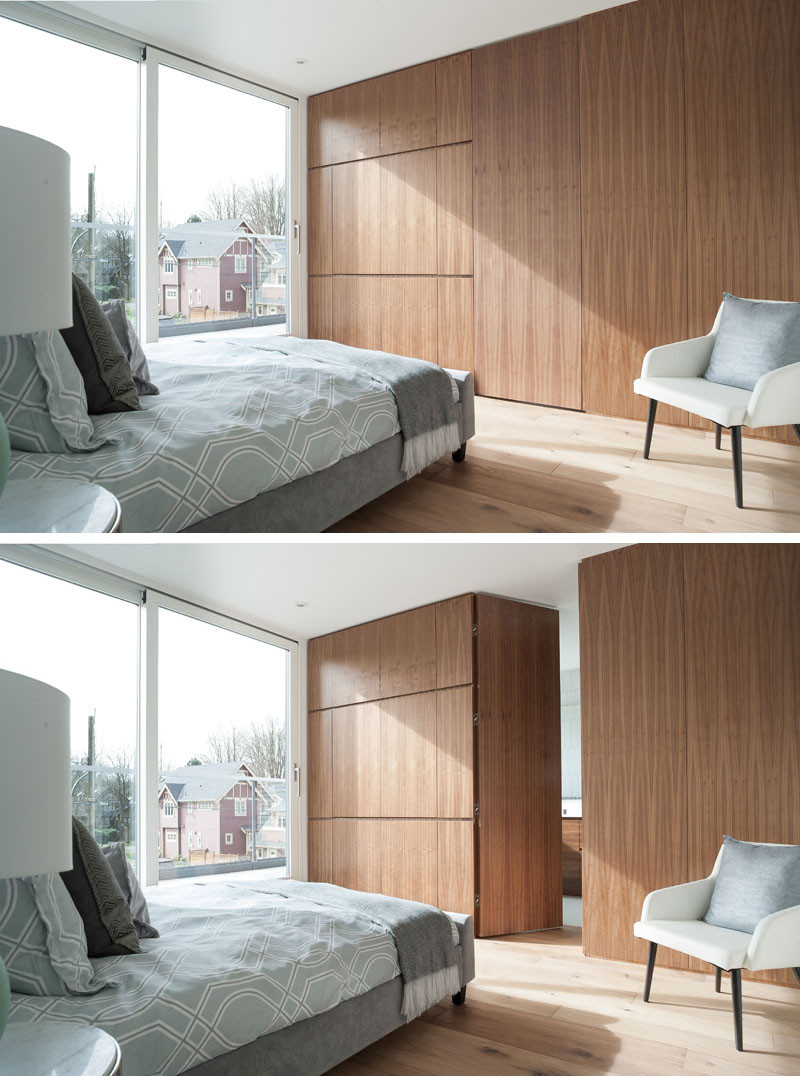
x,y
477,809
477,900
474,629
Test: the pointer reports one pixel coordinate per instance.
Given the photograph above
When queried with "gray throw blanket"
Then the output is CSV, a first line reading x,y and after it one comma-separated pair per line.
x,y
423,393
423,936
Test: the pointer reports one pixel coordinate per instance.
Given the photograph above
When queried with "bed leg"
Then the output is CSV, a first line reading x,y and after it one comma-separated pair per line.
x,y
461,996
460,454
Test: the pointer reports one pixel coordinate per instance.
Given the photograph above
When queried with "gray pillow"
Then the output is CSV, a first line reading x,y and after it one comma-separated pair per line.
x,y
754,880
131,890
100,902
754,337
42,941
126,334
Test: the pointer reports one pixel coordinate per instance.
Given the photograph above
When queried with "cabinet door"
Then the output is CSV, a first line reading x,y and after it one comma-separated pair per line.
x,y
408,756
408,652
454,620
571,856
408,109
356,853
356,311
319,850
408,856
356,778
454,772
355,216
352,116
454,210
408,212
408,316
343,668
454,99
320,764
320,221
456,867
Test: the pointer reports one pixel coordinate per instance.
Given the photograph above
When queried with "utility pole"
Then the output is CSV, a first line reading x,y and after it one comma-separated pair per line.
x,y
90,757
90,219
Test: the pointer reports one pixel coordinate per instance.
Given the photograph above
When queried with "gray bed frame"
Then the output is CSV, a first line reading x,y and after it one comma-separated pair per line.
x,y
315,502
317,1044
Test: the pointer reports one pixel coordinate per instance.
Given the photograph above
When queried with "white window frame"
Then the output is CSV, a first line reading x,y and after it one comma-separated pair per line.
x,y
77,29
169,810
172,293
199,299
228,295
190,263
229,838
169,266
240,807
191,293
240,263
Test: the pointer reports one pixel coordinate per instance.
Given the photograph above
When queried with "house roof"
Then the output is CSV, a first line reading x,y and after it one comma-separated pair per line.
x,y
209,781
208,238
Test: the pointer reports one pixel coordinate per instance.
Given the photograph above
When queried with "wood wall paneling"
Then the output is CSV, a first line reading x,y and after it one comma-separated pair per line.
x,y
356,744
408,109
319,130
456,867
743,156
356,315
356,230
343,668
742,691
408,212
409,306
409,867
320,764
633,198
352,114
408,759
454,620
454,757
408,651
320,845
453,203
356,859
454,99
571,856
633,732
519,766
320,307
320,221
527,218
455,323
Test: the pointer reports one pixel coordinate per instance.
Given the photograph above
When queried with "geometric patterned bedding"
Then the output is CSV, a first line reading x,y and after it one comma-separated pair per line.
x,y
231,422
231,964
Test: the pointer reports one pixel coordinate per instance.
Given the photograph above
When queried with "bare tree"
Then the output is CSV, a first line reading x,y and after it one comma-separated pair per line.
x,y
266,205
116,251
226,745
266,748
226,201
117,796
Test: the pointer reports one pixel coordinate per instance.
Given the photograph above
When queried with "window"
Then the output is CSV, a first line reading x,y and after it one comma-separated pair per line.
x,y
205,263
239,806
199,300
240,263
205,805
191,293
189,841
229,838
172,293
169,265
281,276
228,295
169,809
190,263
172,836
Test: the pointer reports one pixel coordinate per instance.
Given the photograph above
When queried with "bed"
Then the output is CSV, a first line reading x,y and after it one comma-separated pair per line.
x,y
249,980
271,434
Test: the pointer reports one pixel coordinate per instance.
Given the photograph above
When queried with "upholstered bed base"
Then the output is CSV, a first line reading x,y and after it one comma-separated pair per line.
x,y
318,1044
318,500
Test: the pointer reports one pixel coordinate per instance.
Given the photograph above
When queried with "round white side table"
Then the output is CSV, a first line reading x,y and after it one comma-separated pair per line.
x,y
50,1048
57,506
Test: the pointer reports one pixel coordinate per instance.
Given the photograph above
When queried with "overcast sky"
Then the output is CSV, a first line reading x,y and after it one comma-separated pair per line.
x,y
86,101
85,644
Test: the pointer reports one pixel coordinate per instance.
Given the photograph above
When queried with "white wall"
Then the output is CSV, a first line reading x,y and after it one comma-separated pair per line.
x,y
570,733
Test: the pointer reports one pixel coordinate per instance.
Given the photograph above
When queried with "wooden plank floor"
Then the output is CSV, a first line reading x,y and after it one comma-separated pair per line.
x,y
540,1008
536,469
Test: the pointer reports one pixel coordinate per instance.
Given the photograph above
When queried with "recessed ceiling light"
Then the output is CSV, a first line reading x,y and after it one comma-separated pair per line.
x,y
301,60
301,605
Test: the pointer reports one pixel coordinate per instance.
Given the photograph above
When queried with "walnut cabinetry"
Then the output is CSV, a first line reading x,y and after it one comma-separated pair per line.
x,y
434,759
571,856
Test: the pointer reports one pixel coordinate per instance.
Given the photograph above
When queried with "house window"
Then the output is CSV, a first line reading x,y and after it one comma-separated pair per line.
x,y
190,842
228,296
205,263
173,836
169,808
239,806
199,301
190,263
169,265
172,293
191,293
240,263
282,276
205,805
229,838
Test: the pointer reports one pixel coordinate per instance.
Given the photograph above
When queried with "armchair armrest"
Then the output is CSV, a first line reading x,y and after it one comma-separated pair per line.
x,y
776,941
776,398
688,901
686,358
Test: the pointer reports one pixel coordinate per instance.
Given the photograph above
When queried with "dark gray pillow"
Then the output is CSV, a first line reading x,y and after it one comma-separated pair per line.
x,y
126,334
101,904
753,338
754,880
99,356
131,890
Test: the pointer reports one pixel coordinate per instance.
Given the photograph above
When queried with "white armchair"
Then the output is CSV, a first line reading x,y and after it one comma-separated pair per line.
x,y
673,374
674,917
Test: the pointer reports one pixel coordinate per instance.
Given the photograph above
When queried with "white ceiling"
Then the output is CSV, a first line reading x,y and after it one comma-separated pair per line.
x,y
348,583
343,40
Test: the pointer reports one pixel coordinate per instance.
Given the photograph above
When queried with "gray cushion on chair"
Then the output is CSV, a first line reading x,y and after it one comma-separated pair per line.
x,y
753,338
754,880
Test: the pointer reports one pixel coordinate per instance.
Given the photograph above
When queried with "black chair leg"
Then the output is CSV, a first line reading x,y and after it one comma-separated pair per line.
x,y
717,435
461,996
796,972
460,454
651,421
651,963
736,991
797,431
736,449
718,979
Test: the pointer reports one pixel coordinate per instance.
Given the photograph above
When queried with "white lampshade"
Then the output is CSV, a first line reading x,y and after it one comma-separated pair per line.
x,y
35,811
35,261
